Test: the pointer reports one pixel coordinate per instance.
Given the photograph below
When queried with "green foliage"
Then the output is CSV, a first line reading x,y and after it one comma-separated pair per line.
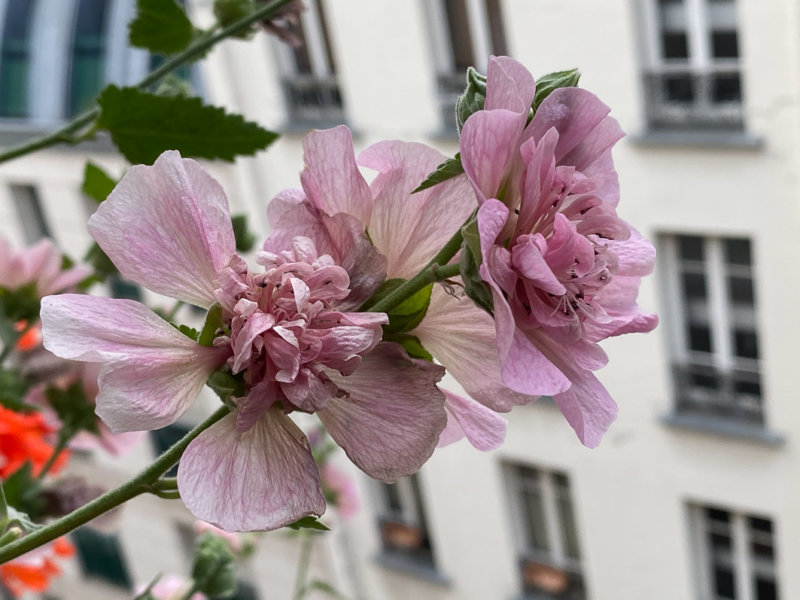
x,y
160,26
97,184
472,99
21,304
189,332
99,261
13,388
20,519
213,567
22,490
74,410
411,344
245,239
309,523
547,84
226,385
475,288
143,125
228,12
210,327
450,168
407,315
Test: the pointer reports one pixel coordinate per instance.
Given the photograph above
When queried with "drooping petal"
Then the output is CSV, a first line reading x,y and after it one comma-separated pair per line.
x,y
256,480
167,227
588,408
463,339
152,372
390,419
331,179
409,229
483,427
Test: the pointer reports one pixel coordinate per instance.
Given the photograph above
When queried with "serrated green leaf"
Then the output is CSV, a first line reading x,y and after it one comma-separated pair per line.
x,y
547,84
450,168
144,125
472,99
309,523
245,240
160,26
189,332
97,184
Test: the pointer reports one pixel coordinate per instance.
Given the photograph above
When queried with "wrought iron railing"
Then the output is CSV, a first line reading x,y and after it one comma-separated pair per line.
x,y
313,99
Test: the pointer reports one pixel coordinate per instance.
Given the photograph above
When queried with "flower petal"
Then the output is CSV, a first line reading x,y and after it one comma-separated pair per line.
x,y
167,227
391,418
331,179
509,85
588,408
484,428
152,371
409,229
256,480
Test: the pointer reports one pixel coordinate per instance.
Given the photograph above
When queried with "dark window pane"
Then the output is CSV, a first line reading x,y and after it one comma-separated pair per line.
x,y
758,524
748,388
100,556
740,290
569,530
497,33
703,380
533,515
164,438
726,88
720,542
699,338
720,516
122,288
745,343
14,57
674,45
88,54
762,551
766,589
460,38
690,247
724,44
694,285
724,584
737,252
302,59
678,88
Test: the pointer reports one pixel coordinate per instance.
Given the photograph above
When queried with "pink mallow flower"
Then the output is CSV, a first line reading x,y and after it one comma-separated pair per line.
x,y
408,230
284,332
563,268
40,265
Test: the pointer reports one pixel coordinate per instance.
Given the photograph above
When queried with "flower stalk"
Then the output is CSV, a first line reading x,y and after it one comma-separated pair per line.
x,y
144,482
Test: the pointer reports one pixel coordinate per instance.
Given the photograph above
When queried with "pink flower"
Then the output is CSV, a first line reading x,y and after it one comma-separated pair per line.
x,y
341,486
563,268
285,332
40,265
233,540
171,587
408,230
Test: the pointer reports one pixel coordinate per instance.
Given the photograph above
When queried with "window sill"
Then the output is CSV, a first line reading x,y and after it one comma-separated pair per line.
x,y
14,133
724,428
735,140
395,561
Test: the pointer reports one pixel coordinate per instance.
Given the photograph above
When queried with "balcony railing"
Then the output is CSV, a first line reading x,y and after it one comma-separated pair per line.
x,y
707,391
312,99
681,98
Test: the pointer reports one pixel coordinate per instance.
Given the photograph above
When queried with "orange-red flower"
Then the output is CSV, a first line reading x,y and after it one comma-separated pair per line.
x,y
24,437
33,571
30,338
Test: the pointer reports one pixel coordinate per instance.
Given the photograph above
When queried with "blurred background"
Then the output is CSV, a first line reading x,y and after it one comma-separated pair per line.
x,y
695,491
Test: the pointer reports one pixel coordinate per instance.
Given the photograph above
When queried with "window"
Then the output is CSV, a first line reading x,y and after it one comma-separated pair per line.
x,y
735,555
473,30
693,75
712,290
100,556
15,58
547,534
88,54
310,84
164,438
402,521
31,214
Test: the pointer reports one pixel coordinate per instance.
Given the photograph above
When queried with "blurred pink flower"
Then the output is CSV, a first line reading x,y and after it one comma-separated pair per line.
x,y
340,485
234,540
39,264
563,268
171,587
286,332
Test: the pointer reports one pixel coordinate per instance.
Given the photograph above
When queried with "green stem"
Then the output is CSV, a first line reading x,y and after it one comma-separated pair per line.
x,y
436,270
195,50
63,440
302,566
140,484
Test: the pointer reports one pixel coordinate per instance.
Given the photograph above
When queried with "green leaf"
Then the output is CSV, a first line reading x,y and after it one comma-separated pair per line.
x,y
23,491
547,84
309,523
143,125
474,286
189,332
213,567
160,26
472,99
450,168
245,240
97,184
74,410
13,387
21,304
407,315
225,385
411,344
99,261
210,327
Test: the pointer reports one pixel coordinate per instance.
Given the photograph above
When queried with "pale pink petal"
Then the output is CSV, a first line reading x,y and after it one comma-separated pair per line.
x,y
529,262
492,217
488,145
483,427
528,371
509,85
257,480
409,229
167,227
151,371
390,419
451,433
587,407
331,179
463,339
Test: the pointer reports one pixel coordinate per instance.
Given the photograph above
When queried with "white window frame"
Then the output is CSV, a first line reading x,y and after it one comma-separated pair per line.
x,y
744,568
547,488
700,64
722,356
